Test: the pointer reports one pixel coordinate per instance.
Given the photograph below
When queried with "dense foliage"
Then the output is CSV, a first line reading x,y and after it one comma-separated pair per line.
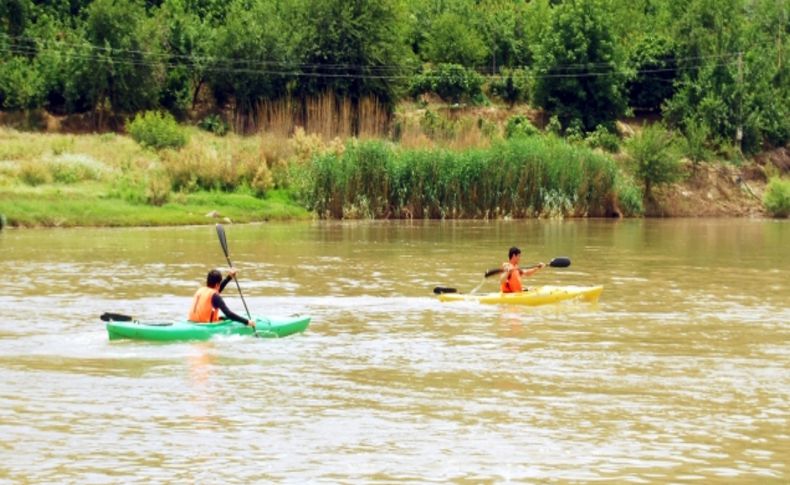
x,y
777,197
713,67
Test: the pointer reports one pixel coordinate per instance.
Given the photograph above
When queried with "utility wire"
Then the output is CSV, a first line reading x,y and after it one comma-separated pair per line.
x,y
141,58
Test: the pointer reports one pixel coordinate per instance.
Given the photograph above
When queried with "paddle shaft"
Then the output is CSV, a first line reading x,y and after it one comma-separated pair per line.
x,y
560,262
554,263
224,243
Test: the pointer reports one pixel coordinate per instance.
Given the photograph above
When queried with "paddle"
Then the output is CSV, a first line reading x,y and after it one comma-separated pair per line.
x,y
555,263
224,243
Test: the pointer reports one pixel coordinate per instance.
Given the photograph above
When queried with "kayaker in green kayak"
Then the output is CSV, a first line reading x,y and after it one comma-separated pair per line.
x,y
510,280
207,301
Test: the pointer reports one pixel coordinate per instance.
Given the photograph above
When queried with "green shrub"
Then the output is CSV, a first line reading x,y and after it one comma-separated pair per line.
x,y
554,125
157,130
263,181
451,82
157,192
653,158
604,139
629,196
777,197
69,169
520,125
214,124
575,131
512,86
696,138
437,126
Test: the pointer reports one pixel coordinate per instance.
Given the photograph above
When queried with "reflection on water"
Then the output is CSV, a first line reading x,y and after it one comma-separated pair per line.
x,y
679,373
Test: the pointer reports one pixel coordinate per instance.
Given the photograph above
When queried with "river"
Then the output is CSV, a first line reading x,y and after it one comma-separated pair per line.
x,y
680,373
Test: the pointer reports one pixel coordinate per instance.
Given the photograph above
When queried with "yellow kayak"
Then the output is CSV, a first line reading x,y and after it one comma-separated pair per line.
x,y
534,295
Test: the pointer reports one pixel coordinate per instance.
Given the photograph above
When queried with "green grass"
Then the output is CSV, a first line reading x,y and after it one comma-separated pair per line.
x,y
108,180
58,207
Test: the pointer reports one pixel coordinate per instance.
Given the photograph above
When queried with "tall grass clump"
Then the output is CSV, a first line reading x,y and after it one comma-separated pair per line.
x,y
225,166
777,197
523,177
157,130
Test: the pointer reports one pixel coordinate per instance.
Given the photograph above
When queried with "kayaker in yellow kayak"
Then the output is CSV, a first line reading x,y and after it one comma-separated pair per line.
x,y
207,302
510,280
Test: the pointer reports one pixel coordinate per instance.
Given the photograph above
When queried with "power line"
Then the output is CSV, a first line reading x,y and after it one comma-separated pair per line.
x,y
226,65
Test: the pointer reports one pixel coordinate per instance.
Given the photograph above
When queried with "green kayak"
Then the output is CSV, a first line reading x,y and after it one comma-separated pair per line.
x,y
169,331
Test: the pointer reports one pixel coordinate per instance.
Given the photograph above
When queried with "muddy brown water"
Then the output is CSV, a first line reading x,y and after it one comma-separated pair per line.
x,y
680,373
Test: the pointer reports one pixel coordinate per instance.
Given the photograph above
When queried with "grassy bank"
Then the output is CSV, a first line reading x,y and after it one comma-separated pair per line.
x,y
452,163
109,180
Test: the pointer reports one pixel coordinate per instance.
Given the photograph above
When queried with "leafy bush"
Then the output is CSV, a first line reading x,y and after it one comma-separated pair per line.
x,y
157,130
652,157
71,169
214,124
437,126
604,139
21,85
554,126
512,86
519,125
629,196
451,82
696,138
777,197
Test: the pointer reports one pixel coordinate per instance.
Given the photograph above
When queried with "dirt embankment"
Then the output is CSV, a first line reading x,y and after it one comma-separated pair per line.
x,y
721,189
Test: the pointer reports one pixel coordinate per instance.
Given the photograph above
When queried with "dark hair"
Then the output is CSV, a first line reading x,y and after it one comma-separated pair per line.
x,y
214,277
513,251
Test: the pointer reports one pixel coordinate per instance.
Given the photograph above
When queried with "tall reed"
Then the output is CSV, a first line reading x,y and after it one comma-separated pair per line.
x,y
327,115
531,177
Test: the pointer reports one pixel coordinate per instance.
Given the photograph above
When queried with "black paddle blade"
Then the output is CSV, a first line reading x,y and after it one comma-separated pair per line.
x,y
115,317
222,239
440,289
493,271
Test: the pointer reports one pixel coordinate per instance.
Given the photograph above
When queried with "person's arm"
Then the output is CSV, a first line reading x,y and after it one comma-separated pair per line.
x,y
507,268
218,302
231,274
225,283
532,271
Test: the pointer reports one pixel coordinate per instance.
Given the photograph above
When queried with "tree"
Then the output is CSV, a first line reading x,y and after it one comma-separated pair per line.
x,y
250,59
501,26
652,60
186,45
454,40
353,48
733,71
113,69
576,69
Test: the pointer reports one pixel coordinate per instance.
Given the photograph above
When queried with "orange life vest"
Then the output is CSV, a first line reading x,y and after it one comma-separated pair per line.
x,y
202,310
513,282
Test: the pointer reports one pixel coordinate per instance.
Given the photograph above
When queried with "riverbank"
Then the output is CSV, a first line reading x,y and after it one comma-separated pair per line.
x,y
64,180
